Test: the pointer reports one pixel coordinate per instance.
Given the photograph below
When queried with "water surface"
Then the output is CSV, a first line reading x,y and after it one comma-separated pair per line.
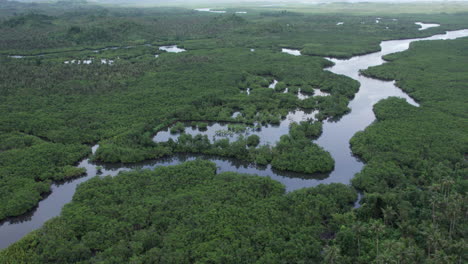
x,y
426,25
209,10
336,135
269,134
172,49
62,193
292,52
335,139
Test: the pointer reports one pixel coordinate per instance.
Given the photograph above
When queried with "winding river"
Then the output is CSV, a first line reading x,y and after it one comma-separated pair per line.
x,y
335,139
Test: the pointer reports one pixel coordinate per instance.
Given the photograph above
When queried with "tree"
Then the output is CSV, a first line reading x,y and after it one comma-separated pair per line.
x,y
377,228
332,255
253,141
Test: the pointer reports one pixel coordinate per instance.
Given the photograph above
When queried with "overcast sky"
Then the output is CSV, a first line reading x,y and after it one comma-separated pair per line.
x,y
284,1
299,1
312,1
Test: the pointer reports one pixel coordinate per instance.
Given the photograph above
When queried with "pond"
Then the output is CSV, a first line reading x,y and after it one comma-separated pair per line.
x,y
425,26
269,134
291,51
172,49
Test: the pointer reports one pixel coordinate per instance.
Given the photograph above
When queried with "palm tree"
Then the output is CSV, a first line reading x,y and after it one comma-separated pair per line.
x,y
358,229
332,254
377,228
388,214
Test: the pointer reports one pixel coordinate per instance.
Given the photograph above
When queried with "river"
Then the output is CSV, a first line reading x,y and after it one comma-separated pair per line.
x,y
335,139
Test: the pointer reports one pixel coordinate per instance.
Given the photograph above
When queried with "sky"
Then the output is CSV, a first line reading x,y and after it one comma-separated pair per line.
x,y
298,1
284,1
249,1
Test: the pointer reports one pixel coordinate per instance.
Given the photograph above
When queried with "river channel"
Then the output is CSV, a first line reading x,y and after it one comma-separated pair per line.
x,y
335,139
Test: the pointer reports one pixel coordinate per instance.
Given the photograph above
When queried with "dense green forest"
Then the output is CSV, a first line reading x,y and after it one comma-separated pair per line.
x,y
294,152
187,214
53,110
123,104
28,164
415,180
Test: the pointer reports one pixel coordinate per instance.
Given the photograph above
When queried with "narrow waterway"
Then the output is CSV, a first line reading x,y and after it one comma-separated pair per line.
x,y
336,135
335,139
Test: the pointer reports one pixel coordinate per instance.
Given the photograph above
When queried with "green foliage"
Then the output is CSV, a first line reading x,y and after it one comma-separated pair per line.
x,y
99,102
253,141
202,126
237,128
305,130
414,183
178,128
280,87
294,152
186,213
301,155
27,166
415,177
31,19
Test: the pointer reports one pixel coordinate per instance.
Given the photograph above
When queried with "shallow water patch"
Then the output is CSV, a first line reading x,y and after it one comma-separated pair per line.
x,y
269,134
291,52
424,26
172,49
210,10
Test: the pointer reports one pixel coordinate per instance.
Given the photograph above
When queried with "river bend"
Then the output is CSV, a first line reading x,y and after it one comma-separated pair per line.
x,y
335,139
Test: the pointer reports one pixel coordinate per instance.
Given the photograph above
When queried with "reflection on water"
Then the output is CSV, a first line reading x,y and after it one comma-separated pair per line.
x,y
318,92
426,25
211,11
172,49
292,52
335,139
273,84
14,229
269,134
302,96
336,135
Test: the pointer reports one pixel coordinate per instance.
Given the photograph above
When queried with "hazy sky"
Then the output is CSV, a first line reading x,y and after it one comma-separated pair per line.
x,y
299,1
312,1
284,1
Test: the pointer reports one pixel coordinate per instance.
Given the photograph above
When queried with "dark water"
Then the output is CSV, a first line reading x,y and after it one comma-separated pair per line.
x,y
335,139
